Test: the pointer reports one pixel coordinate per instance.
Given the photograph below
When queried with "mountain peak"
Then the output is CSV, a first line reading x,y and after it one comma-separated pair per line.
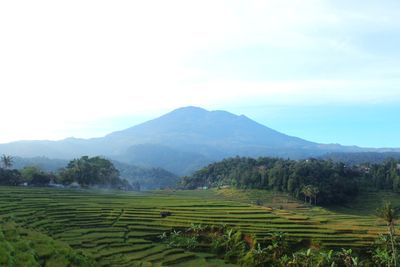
x,y
192,108
185,133
189,109
195,126
194,113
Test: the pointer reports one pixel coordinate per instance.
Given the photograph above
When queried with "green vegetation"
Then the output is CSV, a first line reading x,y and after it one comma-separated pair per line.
x,y
330,183
41,171
94,171
85,172
359,158
389,214
385,176
315,181
24,247
222,226
6,161
234,246
147,178
125,229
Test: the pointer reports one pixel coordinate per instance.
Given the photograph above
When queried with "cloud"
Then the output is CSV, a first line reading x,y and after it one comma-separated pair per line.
x,y
64,65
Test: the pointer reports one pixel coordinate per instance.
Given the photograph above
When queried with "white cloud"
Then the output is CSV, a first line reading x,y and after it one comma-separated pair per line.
x,y
64,64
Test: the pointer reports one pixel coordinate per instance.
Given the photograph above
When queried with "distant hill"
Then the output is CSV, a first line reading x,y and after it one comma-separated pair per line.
x,y
361,157
148,178
169,158
183,141
45,164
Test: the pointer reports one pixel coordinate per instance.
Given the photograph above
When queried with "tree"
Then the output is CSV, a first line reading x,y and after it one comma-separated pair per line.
x,y
389,214
40,179
95,171
10,177
317,181
7,161
304,191
28,172
315,192
309,192
35,176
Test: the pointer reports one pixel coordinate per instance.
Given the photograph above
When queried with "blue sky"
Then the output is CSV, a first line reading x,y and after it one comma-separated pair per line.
x,y
363,125
326,71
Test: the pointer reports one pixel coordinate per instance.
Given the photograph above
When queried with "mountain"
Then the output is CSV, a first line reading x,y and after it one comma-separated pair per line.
x,y
183,141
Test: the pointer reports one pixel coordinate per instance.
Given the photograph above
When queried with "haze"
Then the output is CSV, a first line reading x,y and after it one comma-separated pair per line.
x,y
326,71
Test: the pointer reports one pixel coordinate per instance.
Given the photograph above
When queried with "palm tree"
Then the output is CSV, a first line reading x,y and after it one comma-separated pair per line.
x,y
389,214
7,161
305,190
315,192
309,192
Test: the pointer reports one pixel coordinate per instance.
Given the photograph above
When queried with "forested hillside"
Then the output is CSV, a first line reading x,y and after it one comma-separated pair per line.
x,y
315,181
356,158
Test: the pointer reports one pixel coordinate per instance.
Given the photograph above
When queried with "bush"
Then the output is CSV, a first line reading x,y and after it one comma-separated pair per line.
x,y
177,239
257,257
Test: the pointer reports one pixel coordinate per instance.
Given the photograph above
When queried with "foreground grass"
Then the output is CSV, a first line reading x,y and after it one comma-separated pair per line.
x,y
24,247
122,229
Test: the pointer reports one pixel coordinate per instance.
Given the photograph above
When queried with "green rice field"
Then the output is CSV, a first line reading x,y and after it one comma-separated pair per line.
x,y
123,229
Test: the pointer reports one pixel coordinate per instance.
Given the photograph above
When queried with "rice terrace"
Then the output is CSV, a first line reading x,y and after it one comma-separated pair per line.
x,y
208,133
124,229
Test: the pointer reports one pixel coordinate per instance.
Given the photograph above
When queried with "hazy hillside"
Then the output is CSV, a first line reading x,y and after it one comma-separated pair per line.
x,y
175,160
45,164
361,157
148,177
182,141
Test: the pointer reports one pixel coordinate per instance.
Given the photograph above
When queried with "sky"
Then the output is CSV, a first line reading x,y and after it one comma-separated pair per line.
x,y
325,71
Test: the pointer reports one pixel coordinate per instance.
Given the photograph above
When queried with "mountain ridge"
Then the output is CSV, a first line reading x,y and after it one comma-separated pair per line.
x,y
190,136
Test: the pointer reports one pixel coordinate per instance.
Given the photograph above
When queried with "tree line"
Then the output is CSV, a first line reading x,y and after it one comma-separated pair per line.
x,y
385,176
315,181
83,172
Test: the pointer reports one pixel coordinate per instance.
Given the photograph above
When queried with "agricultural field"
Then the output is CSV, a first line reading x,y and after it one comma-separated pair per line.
x,y
123,229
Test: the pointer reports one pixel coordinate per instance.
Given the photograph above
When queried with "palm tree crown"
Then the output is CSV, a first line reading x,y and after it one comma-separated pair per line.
x,y
6,161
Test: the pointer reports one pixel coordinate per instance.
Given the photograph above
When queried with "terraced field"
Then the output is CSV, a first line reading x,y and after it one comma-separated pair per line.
x,y
123,229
